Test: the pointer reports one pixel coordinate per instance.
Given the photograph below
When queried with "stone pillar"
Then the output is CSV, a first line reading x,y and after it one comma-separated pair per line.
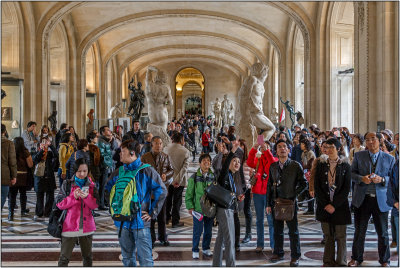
x,y
376,65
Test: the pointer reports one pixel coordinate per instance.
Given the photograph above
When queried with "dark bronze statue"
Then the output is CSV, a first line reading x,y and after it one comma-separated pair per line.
x,y
137,100
53,120
290,109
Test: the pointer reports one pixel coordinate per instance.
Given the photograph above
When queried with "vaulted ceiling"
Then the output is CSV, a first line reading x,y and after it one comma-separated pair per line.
x,y
136,34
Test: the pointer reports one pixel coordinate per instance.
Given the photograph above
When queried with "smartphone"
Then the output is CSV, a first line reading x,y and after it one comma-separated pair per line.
x,y
85,189
260,140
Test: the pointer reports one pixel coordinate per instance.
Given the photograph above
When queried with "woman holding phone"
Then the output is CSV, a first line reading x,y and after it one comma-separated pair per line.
x,y
78,197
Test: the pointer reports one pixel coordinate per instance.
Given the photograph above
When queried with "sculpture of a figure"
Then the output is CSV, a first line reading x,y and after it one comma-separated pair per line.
x,y
158,96
275,117
290,109
53,120
250,113
115,111
217,109
231,115
90,123
225,108
137,101
299,118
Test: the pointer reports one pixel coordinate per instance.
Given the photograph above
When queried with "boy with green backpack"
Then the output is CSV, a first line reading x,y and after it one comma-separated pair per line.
x,y
131,187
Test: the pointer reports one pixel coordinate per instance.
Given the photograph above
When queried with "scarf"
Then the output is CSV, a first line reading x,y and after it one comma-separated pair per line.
x,y
80,182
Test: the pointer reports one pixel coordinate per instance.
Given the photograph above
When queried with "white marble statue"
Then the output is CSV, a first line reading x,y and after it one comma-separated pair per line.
x,y
217,112
275,117
225,110
250,113
158,96
115,111
231,115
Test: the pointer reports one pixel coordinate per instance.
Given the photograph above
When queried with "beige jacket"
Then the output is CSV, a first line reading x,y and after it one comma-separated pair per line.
x,y
179,157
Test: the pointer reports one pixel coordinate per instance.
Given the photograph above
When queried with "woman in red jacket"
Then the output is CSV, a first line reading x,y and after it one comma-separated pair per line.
x,y
205,141
261,161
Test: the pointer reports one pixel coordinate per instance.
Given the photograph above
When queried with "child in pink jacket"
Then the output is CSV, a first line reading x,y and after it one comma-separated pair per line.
x,y
79,222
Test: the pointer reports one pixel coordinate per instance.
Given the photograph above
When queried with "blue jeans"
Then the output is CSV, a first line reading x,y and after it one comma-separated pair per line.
x,y
60,180
132,239
4,193
260,202
207,223
396,223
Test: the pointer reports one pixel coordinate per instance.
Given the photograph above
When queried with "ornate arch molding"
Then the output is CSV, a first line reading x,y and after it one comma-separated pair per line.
x,y
161,48
228,38
189,56
94,35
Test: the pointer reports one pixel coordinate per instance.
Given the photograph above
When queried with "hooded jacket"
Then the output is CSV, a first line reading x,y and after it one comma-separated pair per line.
x,y
265,160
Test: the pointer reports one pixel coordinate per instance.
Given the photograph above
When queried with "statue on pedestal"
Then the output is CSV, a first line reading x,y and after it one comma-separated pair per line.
x,y
217,109
250,113
53,120
90,126
159,98
136,101
115,111
275,117
225,110
231,115
290,109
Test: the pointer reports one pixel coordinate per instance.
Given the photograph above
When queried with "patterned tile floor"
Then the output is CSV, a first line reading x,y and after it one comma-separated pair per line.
x,y
25,242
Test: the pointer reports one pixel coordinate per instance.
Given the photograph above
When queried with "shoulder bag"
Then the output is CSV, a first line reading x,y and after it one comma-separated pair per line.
x,y
220,195
40,168
253,178
284,208
57,217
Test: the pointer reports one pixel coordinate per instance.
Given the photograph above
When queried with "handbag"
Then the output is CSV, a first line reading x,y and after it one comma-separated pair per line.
x,y
40,168
208,207
253,178
284,208
220,195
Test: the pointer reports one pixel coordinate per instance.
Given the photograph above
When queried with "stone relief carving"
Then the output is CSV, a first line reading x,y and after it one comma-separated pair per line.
x,y
250,112
115,111
159,99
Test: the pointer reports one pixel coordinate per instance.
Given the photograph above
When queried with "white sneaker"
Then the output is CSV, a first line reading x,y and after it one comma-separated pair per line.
x,y
195,255
207,252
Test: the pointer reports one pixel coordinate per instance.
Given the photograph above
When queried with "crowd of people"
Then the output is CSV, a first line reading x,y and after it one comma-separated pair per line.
x,y
334,172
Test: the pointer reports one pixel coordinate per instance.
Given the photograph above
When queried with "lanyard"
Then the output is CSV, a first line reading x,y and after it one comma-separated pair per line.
x,y
233,187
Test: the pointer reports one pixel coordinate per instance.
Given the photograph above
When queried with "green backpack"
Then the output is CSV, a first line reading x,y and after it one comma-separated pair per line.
x,y
124,202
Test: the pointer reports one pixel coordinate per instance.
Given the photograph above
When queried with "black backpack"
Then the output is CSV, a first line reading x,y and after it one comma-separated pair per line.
x,y
57,216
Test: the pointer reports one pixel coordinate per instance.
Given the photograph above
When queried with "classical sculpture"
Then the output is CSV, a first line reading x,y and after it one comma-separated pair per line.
x,y
53,120
217,109
225,110
137,101
90,124
299,118
115,111
158,96
290,109
250,112
275,117
231,115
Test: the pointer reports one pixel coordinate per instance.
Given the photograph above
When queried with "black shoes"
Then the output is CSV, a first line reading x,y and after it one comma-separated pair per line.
x,y
25,212
246,239
103,208
276,258
294,262
180,224
164,243
10,216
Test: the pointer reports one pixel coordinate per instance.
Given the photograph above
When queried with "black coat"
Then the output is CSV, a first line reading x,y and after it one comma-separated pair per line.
x,y
292,181
48,181
340,202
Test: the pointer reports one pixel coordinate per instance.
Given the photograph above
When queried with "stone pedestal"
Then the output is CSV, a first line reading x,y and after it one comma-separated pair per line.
x,y
159,131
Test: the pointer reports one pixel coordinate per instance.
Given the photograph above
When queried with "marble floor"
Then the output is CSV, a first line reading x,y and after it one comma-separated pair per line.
x,y
25,242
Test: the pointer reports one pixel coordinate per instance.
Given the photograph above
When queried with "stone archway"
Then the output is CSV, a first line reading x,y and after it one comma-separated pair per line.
x,y
189,84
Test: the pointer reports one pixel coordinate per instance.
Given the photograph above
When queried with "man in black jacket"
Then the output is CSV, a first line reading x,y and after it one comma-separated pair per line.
x,y
136,133
287,181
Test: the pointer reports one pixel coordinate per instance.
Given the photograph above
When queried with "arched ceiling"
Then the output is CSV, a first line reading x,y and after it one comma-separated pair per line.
x,y
237,34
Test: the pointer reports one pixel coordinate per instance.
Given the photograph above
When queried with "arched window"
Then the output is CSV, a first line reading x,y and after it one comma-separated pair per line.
x,y
342,63
299,71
